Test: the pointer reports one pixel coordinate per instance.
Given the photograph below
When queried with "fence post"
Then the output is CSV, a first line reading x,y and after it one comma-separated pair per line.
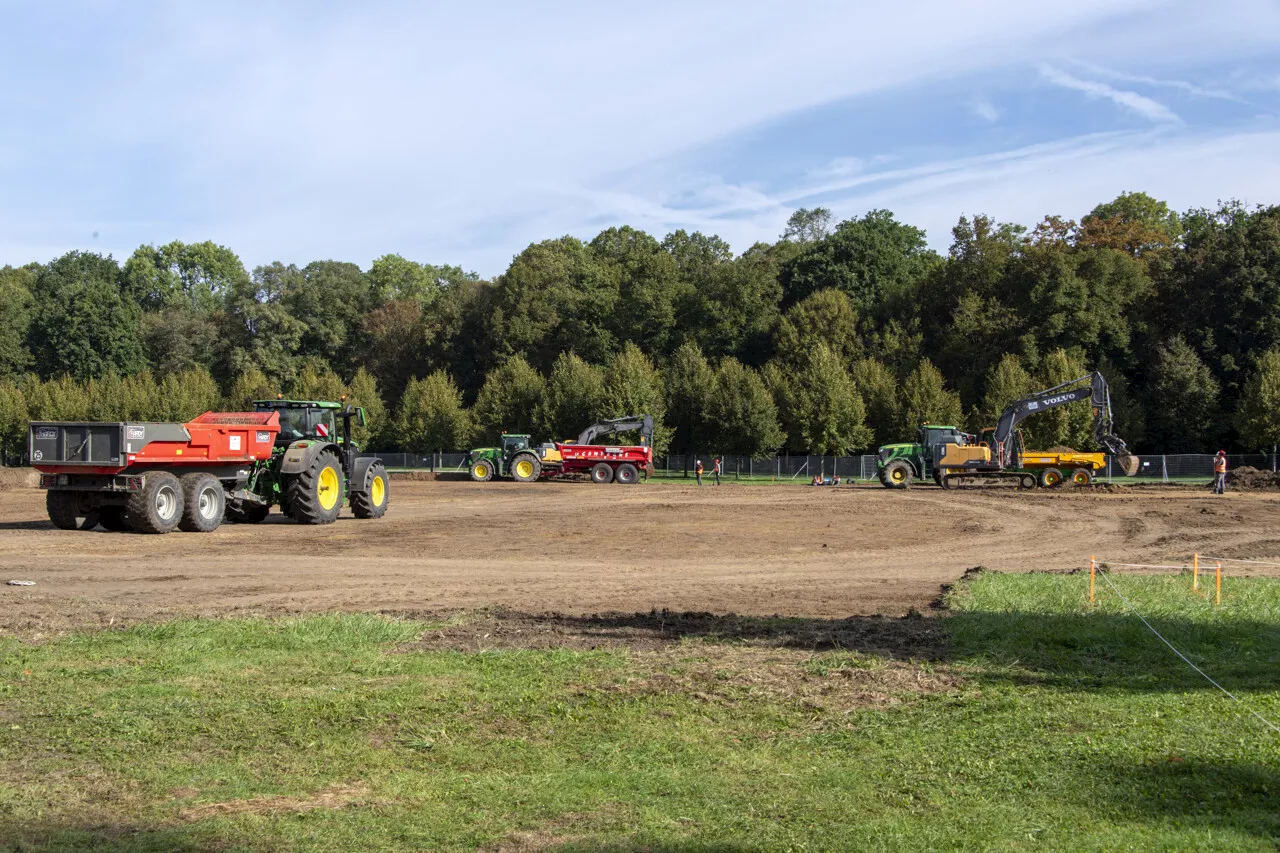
x,y
1195,572
1164,468
1108,469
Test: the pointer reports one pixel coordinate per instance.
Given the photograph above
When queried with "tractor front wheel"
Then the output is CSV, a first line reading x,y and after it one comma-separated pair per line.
x,y
482,470
204,505
372,503
897,474
525,468
602,472
157,507
315,495
626,474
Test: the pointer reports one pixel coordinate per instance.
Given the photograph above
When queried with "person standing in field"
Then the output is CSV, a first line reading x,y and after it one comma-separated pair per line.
x,y
715,469
697,471
1220,473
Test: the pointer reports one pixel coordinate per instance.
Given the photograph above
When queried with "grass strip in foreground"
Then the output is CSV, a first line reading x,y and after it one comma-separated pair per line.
x,y
1039,723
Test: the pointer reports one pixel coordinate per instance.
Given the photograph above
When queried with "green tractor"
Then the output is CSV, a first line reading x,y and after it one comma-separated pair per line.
x,y
312,470
515,458
898,464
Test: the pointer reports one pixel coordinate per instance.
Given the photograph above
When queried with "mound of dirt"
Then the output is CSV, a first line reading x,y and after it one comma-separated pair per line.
x,y
18,478
1247,478
1062,448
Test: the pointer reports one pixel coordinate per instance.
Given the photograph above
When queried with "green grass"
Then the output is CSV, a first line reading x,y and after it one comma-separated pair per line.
x,y
1069,727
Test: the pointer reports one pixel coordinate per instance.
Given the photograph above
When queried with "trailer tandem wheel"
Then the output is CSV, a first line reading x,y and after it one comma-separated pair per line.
x,y
204,503
157,507
602,472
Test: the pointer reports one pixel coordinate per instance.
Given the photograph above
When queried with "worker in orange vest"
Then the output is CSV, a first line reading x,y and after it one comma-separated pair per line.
x,y
1220,470
715,469
697,471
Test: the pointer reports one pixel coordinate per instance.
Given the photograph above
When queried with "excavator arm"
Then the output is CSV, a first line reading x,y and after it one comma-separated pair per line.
x,y
644,423
1097,392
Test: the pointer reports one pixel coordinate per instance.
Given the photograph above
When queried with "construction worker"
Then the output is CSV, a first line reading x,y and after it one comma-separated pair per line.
x,y
715,469
697,471
1220,473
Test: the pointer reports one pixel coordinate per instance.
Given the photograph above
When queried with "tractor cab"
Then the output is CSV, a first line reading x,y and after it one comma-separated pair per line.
x,y
513,444
933,440
302,419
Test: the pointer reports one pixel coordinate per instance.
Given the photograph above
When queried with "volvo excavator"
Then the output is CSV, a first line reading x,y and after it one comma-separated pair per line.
x,y
957,459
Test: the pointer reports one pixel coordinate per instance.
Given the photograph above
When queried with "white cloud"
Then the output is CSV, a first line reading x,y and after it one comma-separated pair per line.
x,y
1183,85
1140,104
984,109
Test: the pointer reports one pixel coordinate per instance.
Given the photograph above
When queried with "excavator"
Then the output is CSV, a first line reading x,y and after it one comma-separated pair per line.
x,y
999,459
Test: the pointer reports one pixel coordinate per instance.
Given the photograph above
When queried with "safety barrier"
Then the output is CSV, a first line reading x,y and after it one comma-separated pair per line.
x,y
1097,569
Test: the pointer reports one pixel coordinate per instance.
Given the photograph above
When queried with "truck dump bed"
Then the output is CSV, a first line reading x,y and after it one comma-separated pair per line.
x,y
225,438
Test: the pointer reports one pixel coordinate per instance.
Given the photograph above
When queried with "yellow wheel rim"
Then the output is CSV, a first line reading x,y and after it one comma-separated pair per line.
x,y
524,468
1050,479
897,475
378,491
479,471
327,491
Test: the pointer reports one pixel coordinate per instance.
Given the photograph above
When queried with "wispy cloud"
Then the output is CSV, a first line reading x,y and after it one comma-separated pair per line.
x,y
984,109
1183,85
1140,104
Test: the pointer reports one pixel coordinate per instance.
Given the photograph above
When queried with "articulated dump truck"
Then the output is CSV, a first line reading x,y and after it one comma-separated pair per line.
x,y
233,466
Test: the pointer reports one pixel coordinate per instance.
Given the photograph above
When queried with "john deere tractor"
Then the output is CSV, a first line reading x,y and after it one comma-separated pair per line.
x,y
515,458
312,470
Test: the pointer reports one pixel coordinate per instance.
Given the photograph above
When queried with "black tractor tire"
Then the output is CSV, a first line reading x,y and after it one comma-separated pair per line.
x,y
157,507
1050,478
204,503
247,514
897,474
114,518
525,468
373,502
602,472
315,495
626,475
63,509
482,470
1082,477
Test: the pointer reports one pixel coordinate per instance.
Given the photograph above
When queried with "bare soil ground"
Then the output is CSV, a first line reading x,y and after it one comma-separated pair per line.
x,y
577,549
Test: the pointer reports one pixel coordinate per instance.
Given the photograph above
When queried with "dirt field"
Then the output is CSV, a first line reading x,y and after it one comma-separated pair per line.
x,y
575,548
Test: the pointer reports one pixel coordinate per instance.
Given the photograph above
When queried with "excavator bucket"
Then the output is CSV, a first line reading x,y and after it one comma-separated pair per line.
x,y
1128,463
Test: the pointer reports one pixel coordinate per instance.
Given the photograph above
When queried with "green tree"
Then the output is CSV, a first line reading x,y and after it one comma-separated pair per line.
x,y
58,399
1070,425
187,394
509,400
879,390
250,385
363,392
316,381
13,421
574,398
431,416
1006,382
632,386
824,413
1132,222
808,225
258,330
1258,419
143,399
740,413
689,384
826,317
925,398
83,325
176,339
1184,395
649,287
394,277
15,319
194,277
330,298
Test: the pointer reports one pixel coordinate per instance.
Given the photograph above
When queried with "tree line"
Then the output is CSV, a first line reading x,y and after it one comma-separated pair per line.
x,y
835,338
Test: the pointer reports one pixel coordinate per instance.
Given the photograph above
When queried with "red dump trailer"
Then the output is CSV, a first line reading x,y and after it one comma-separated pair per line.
x,y
604,463
152,477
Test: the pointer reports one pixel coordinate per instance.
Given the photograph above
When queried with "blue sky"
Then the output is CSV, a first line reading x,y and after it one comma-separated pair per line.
x,y
459,133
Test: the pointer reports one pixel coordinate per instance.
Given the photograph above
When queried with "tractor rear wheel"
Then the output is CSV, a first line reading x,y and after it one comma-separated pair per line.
x,y
525,468
897,474
626,474
482,470
204,503
113,518
315,495
157,508
372,503
1082,477
65,511
1050,477
602,472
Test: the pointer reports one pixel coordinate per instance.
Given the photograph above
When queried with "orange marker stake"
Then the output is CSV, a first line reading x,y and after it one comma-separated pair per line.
x,y
1093,567
1218,583
1195,572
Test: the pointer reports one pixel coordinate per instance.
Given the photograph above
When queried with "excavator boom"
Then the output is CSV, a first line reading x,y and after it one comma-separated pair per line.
x,y
1097,392
644,423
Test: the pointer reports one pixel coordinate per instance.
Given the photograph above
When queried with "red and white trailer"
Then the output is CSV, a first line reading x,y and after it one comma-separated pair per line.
x,y
621,464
